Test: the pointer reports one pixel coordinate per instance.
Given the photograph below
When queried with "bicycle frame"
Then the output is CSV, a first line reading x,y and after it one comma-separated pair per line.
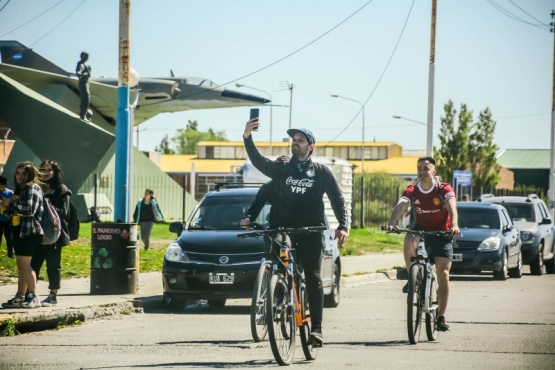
x,y
429,273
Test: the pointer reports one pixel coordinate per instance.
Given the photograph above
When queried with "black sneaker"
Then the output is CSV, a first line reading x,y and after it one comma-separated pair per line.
x,y
51,300
441,324
316,339
406,288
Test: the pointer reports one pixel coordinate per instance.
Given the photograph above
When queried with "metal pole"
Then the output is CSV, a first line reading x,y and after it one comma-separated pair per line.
x,y
290,103
552,152
122,165
431,76
363,125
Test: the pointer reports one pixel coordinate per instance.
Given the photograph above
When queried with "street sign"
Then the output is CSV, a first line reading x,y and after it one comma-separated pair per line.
x,y
462,178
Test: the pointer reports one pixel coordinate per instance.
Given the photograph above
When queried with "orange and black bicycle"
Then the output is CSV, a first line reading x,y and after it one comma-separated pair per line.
x,y
285,300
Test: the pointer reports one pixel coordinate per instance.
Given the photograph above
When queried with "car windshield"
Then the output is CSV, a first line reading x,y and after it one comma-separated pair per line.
x,y
224,213
478,218
520,211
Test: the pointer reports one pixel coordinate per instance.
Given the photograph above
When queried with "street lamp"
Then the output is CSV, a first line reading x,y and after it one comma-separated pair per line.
x,y
362,107
271,113
408,119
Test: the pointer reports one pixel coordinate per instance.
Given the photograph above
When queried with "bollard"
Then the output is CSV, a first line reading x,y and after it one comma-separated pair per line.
x,y
114,258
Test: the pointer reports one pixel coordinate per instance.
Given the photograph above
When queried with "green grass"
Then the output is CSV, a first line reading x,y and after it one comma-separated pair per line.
x,y
76,258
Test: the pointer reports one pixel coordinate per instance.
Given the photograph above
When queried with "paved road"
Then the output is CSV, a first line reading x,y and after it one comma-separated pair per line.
x,y
495,325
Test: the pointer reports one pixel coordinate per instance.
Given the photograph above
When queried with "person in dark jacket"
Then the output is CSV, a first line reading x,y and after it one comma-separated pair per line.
x,y
83,72
147,212
302,184
59,195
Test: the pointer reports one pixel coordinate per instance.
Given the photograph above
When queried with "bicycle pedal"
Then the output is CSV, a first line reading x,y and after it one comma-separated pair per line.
x,y
316,343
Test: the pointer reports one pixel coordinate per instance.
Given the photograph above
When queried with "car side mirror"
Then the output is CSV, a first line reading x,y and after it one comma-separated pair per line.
x,y
508,228
546,221
176,227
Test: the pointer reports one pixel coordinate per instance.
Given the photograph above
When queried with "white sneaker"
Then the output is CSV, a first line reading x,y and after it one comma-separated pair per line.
x,y
31,302
50,301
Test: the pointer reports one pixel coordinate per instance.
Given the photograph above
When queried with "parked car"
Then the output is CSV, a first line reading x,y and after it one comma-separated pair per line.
x,y
208,261
490,241
531,217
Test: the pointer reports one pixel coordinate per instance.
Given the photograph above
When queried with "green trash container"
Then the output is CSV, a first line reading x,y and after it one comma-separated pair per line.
x,y
114,258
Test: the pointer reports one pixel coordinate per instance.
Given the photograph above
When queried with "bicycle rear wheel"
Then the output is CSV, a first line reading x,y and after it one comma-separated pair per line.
x,y
431,328
259,326
304,331
281,320
414,302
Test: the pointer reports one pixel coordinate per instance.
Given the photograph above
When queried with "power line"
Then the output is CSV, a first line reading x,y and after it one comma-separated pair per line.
x,y
5,5
381,76
528,14
513,16
29,21
59,23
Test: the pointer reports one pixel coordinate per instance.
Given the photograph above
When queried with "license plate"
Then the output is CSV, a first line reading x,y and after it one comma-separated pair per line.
x,y
221,278
457,257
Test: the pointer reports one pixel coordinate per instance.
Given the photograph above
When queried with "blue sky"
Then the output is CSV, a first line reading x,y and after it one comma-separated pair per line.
x,y
487,55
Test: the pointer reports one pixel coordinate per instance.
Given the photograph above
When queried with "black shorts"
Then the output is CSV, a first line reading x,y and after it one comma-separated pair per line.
x,y
25,246
440,246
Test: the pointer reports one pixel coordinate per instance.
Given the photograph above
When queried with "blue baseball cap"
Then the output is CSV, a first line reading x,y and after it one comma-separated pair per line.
x,y
309,137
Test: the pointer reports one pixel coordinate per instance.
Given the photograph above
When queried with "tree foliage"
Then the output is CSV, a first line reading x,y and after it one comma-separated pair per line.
x,y
186,140
467,145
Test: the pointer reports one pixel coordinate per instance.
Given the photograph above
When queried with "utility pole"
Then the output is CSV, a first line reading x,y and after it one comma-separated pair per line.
x,y
552,152
123,126
431,78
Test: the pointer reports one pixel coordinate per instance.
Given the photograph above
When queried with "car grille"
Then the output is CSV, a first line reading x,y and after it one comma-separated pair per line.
x,y
234,259
467,245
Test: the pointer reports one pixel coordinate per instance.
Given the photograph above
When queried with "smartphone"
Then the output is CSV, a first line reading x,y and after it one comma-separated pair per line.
x,y
255,113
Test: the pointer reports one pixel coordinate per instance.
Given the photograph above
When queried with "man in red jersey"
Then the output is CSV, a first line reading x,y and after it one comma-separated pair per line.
x,y
435,209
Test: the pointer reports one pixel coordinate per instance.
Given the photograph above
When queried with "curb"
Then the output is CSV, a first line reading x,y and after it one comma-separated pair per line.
x,y
37,321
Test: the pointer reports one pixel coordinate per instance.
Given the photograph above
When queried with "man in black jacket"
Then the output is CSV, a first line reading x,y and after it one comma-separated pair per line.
x,y
302,184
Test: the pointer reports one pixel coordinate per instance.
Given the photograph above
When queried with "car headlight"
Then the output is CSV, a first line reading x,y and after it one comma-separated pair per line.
x,y
490,244
525,235
175,253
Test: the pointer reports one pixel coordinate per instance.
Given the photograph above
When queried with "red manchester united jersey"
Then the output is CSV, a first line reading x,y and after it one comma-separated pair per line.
x,y
429,209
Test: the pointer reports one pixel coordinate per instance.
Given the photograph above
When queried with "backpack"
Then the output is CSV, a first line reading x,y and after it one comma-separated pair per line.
x,y
50,223
73,222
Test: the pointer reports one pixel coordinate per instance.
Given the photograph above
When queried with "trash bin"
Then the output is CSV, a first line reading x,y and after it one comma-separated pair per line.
x,y
114,258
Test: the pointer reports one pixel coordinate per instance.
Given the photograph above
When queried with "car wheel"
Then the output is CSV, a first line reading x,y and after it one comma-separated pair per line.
x,y
550,266
332,300
502,275
216,303
516,272
536,266
173,304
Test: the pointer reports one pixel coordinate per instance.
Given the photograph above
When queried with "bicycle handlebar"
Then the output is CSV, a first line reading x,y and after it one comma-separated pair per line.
x,y
442,233
277,230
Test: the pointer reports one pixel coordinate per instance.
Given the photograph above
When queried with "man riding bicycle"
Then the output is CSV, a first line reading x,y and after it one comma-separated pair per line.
x,y
435,209
301,185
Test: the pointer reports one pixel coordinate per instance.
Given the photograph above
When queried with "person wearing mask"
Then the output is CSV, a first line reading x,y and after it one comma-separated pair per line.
x,y
147,211
26,208
59,195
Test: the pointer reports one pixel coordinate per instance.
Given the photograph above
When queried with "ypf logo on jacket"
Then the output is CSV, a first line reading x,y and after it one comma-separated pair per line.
x,y
299,185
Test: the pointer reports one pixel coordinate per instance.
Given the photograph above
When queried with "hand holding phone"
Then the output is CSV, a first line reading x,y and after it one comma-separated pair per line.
x,y
255,113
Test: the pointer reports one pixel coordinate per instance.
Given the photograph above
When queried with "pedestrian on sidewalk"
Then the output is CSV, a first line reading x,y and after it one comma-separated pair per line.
x,y
54,189
147,211
26,207
5,226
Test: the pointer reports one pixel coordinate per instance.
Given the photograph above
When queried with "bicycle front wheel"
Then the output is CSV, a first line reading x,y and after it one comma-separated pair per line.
x,y
414,302
304,331
281,320
259,327
431,328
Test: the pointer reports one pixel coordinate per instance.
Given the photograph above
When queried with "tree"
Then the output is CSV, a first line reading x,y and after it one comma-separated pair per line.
x,y
467,146
186,140
164,147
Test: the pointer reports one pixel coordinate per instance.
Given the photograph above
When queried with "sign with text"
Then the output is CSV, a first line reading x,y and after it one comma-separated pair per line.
x,y
462,178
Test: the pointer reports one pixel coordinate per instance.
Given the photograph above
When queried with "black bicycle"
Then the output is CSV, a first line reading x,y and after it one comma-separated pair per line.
x,y
422,286
285,298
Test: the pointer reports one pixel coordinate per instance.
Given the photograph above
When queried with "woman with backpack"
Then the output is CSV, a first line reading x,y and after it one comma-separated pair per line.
x,y
147,212
54,189
26,210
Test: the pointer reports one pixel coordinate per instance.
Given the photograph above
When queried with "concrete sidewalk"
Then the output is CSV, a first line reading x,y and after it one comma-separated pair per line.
x,y
76,303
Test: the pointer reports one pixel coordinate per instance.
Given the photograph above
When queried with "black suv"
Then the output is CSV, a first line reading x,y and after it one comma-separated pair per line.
x,y
208,261
532,219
